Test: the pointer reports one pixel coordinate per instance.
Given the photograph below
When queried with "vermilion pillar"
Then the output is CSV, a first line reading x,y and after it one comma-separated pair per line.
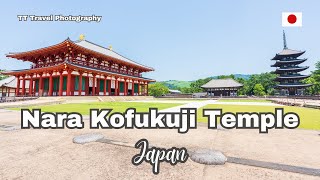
x,y
80,84
23,85
116,84
105,86
72,86
109,87
125,88
132,89
69,83
138,88
50,84
60,83
94,85
40,85
87,85
31,86
147,88
98,86
18,85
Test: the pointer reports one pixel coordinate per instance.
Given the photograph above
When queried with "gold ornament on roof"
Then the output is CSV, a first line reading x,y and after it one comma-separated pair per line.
x,y
110,47
81,37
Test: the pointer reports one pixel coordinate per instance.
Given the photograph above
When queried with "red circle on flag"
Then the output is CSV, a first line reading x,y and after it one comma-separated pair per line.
x,y
292,18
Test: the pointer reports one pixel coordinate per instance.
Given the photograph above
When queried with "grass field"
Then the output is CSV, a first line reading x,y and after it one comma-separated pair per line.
x,y
309,118
83,108
243,100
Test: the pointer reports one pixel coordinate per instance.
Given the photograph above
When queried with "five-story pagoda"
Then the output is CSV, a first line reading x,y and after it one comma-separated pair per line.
x,y
288,69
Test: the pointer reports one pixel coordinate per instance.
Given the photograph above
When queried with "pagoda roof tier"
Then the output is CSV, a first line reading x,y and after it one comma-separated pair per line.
x,y
85,47
293,61
296,85
288,53
297,76
291,69
68,65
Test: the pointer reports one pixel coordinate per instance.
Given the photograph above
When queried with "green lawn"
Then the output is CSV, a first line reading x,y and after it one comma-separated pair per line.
x,y
243,100
309,118
83,108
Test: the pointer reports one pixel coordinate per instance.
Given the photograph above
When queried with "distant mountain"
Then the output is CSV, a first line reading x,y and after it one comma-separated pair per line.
x,y
176,84
244,76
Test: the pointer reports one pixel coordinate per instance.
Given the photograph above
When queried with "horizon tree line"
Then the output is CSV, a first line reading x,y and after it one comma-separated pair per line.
x,y
257,84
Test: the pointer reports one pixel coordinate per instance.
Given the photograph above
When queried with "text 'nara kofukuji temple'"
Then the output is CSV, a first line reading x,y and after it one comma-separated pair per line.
x,y
73,68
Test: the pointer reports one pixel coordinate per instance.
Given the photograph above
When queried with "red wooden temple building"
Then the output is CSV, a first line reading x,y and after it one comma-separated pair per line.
x,y
79,68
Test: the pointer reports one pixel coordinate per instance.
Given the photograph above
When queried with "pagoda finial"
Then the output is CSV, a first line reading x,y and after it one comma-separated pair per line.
x,y
284,41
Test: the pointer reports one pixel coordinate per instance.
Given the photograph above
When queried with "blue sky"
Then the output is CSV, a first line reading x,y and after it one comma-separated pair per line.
x,y
182,40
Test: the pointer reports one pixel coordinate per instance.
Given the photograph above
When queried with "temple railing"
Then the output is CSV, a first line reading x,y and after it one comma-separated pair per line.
x,y
110,69
293,75
291,68
89,65
292,84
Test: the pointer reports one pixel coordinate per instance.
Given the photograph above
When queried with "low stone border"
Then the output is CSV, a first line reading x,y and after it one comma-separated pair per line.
x,y
86,138
275,166
8,128
208,157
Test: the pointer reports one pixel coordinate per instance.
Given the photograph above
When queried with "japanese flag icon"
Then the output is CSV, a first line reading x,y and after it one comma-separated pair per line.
x,y
292,19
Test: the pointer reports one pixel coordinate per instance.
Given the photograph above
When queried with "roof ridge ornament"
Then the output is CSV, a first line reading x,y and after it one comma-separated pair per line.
x,y
110,48
81,37
284,41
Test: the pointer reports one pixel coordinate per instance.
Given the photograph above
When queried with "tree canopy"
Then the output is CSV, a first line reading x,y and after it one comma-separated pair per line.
x,y
258,84
266,80
158,89
315,80
1,75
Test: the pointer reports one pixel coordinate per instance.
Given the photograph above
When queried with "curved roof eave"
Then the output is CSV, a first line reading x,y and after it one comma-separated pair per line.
x,y
21,55
288,52
107,52
56,46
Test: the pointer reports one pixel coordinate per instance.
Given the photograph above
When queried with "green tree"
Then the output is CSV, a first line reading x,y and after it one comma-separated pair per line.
x,y
245,88
315,88
185,90
196,85
314,79
226,76
259,90
2,76
265,79
158,89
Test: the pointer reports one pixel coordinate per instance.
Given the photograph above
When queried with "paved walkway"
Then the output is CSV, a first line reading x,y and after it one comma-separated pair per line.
x,y
249,103
195,104
166,101
199,104
35,102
